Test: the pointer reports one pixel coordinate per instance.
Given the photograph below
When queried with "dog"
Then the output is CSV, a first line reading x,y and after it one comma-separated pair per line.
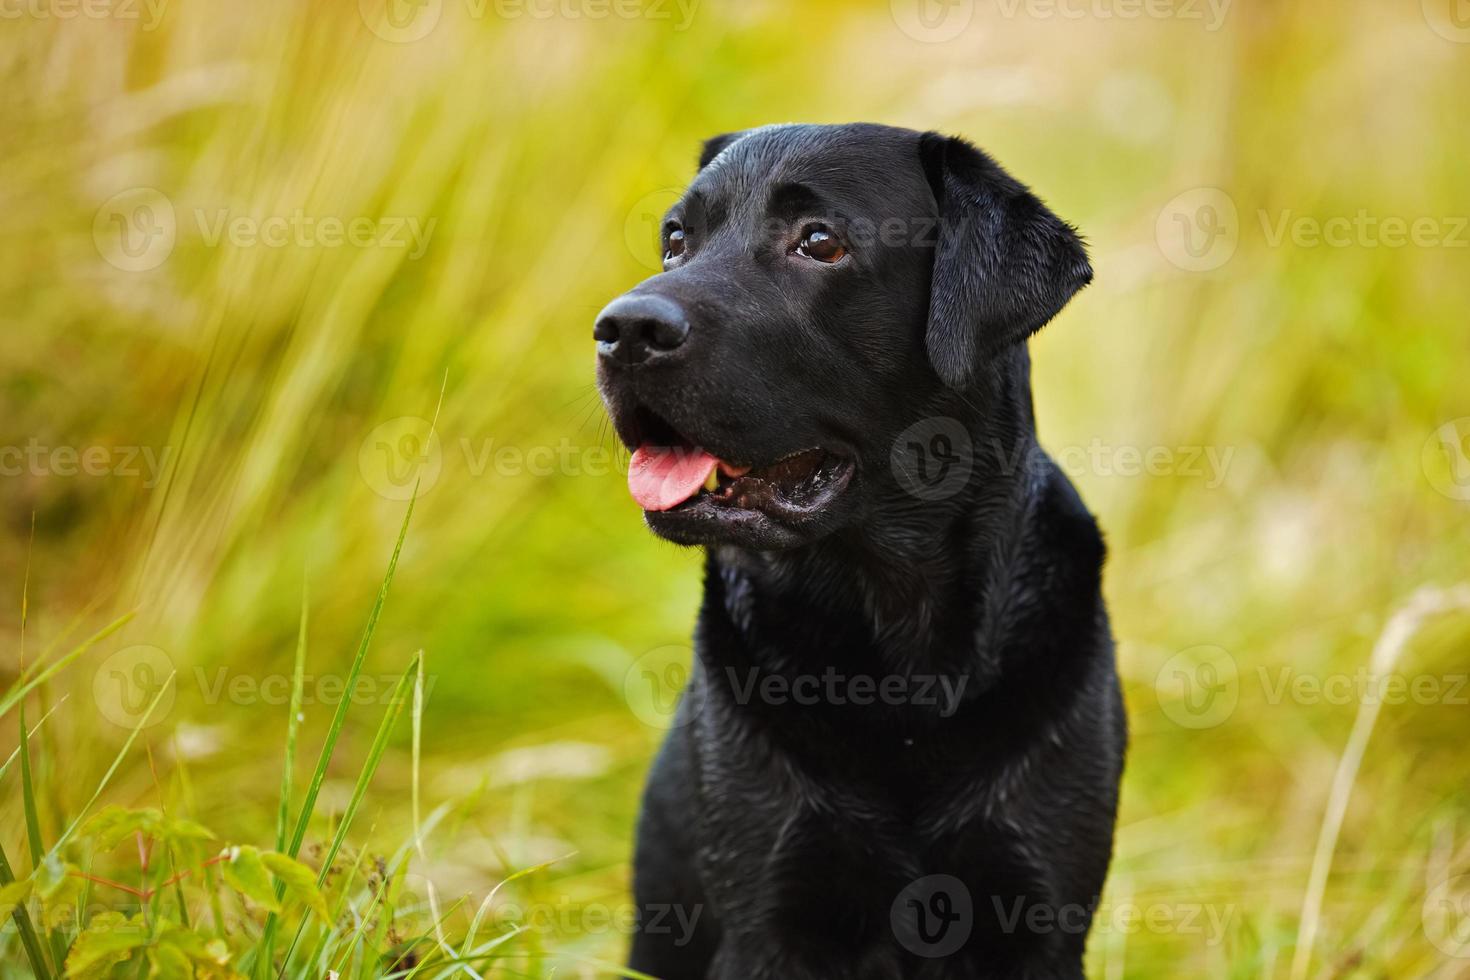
x,y
899,749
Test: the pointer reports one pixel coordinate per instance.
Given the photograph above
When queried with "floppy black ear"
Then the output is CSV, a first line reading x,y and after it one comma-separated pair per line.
x,y
1003,266
714,145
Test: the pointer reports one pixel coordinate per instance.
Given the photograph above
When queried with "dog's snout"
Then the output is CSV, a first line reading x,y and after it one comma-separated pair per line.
x,y
637,328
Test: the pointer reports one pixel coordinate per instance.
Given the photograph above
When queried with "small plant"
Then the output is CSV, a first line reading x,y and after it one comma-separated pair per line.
x,y
184,906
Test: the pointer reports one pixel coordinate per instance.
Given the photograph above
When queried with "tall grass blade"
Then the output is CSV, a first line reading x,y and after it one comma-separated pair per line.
x,y
25,685
339,718
27,778
33,821
293,722
116,762
4,768
28,794
293,726
1400,629
23,925
364,777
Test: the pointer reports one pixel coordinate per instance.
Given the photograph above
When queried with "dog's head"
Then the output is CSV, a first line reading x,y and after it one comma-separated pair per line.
x,y
824,288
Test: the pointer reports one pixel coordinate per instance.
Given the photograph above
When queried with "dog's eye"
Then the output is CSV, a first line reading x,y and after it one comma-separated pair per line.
x,y
675,247
822,245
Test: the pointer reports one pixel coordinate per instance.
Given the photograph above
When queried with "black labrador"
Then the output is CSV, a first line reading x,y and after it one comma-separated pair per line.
x,y
899,751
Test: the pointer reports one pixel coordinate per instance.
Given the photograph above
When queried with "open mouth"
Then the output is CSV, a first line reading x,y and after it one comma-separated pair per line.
x,y
669,473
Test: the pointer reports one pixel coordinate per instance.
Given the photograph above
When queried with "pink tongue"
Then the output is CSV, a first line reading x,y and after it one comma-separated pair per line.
x,y
663,477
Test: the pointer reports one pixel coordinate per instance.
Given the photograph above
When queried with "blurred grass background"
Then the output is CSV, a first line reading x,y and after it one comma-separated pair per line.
x,y
283,391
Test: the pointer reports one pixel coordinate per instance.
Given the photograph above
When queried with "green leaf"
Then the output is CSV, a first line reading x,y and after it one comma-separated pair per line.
x,y
300,882
12,895
180,830
202,957
168,962
113,824
55,880
246,873
108,940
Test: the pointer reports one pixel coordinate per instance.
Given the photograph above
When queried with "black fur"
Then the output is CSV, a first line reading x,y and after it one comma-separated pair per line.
x,y
788,832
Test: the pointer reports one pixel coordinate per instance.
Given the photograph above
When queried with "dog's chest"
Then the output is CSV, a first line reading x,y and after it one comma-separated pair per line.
x,y
782,843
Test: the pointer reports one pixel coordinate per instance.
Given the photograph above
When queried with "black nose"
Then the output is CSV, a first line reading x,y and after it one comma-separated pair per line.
x,y
637,328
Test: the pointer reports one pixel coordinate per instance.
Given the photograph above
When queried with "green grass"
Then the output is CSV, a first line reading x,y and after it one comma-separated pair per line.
x,y
259,377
